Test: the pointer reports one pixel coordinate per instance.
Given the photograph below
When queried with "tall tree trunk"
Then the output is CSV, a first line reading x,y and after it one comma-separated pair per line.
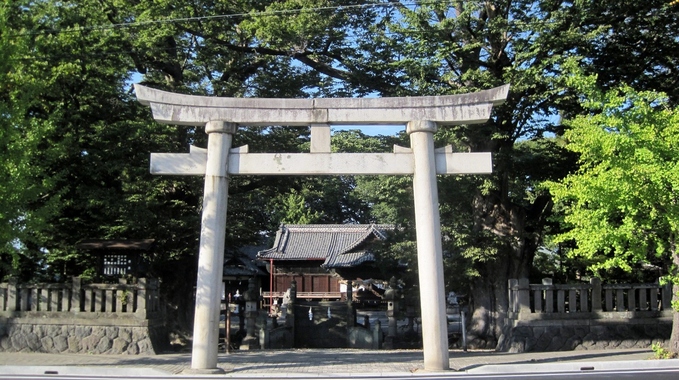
x,y
489,304
517,232
674,338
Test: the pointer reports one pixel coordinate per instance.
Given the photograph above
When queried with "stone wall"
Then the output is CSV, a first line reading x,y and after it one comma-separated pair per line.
x,y
583,316
104,336
121,318
278,338
585,334
366,338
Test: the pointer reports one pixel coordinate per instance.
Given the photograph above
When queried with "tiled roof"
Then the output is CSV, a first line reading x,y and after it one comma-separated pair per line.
x,y
241,267
241,262
335,244
141,244
348,260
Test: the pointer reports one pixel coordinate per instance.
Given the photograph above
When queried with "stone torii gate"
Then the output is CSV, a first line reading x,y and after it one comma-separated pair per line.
x,y
221,117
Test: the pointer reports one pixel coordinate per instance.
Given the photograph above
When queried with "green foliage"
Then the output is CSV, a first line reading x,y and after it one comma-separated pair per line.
x,y
296,210
283,24
23,203
124,297
82,141
633,43
660,352
621,206
494,222
77,141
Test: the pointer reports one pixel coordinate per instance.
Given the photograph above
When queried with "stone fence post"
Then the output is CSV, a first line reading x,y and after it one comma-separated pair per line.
x,y
293,291
141,297
666,296
524,296
596,294
12,295
251,312
512,295
75,295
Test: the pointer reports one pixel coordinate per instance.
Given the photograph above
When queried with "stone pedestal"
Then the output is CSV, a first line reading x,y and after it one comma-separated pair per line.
x,y
410,317
392,296
350,292
290,309
251,342
351,312
377,335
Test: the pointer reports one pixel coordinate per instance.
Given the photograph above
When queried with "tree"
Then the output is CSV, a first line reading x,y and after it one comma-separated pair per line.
x,y
635,43
492,225
454,47
78,144
24,205
302,48
296,211
621,206
70,68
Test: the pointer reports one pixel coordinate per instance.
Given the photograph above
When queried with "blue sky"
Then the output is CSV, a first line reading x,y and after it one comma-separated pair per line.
x,y
372,130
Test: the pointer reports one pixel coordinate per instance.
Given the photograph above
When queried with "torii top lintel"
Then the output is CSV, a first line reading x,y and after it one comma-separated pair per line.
x,y
172,108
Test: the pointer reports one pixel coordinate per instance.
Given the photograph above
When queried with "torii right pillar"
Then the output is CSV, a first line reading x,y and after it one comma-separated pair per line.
x,y
429,249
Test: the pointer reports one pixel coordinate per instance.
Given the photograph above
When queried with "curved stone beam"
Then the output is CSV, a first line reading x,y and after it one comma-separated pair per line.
x,y
172,108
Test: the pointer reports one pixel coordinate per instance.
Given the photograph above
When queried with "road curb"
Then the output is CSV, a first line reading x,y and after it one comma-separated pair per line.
x,y
579,366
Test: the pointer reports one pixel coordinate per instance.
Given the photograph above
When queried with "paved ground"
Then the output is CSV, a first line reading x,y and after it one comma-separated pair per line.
x,y
279,363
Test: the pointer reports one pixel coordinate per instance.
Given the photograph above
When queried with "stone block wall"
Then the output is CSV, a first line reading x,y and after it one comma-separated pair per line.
x,y
366,338
73,317
101,337
278,338
585,334
582,316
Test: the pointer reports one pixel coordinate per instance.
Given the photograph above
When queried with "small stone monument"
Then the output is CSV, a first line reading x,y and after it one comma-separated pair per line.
x,y
251,296
393,297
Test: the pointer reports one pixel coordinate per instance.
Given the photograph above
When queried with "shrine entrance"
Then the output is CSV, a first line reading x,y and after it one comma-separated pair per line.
x,y
221,117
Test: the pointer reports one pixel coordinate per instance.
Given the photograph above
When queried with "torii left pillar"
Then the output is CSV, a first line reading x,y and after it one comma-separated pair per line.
x,y
429,249
211,252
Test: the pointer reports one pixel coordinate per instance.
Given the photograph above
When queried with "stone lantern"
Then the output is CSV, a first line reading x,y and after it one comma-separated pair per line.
x,y
251,297
393,296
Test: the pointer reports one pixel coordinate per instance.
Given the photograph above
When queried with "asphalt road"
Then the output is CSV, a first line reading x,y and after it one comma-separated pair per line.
x,y
345,364
655,374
